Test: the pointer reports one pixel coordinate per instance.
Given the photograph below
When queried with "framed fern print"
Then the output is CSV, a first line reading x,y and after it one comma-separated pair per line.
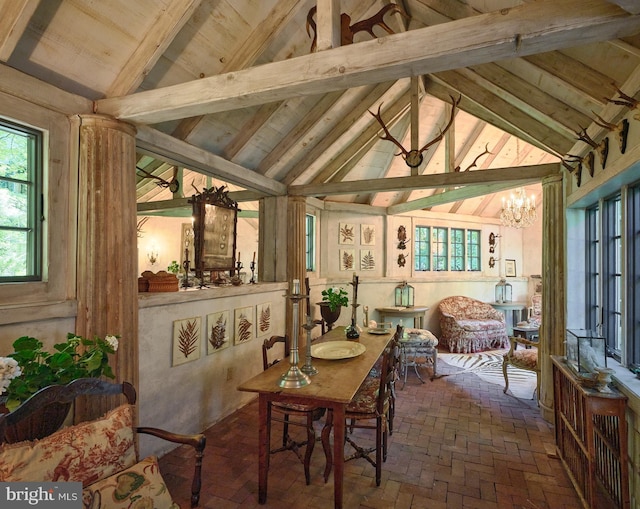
x,y
243,325
263,319
367,259
186,340
367,235
347,259
347,234
218,329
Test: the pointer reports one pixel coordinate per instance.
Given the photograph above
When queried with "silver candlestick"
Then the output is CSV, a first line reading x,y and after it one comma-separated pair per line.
x,y
294,378
309,368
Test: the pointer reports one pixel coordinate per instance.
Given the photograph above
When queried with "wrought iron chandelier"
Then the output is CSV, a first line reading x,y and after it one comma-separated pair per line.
x,y
518,211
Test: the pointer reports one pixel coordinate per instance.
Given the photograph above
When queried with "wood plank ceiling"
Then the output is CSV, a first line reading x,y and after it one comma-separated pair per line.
x,y
231,89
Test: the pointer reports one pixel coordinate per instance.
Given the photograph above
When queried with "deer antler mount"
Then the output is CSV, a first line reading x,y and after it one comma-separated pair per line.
x,y
413,157
347,31
173,185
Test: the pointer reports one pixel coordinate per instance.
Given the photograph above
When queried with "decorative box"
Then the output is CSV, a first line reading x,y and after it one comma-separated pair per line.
x,y
585,350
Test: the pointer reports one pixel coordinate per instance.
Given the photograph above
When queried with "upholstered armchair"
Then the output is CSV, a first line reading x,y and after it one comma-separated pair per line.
x,y
469,325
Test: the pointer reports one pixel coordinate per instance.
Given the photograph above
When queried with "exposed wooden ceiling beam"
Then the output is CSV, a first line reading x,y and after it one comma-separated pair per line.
x,y
156,40
631,6
525,30
432,181
13,22
156,143
471,191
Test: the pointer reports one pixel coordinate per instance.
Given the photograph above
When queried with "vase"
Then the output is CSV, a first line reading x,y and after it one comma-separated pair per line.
x,y
351,331
329,316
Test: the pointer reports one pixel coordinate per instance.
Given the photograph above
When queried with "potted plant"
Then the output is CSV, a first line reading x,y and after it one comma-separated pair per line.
x,y
30,368
333,299
173,267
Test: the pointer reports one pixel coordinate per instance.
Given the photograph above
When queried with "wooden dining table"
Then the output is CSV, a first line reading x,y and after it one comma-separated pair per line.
x,y
334,386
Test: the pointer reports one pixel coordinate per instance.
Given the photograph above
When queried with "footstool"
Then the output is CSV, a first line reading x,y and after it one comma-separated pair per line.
x,y
419,349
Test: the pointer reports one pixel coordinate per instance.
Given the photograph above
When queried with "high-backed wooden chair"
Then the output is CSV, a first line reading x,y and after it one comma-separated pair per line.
x,y
291,414
371,408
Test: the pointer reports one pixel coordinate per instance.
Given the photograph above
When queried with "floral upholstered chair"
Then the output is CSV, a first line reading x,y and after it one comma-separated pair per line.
x,y
526,359
469,325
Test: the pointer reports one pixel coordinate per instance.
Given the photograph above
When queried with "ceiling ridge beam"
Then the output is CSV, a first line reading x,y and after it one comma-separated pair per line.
x,y
431,181
524,30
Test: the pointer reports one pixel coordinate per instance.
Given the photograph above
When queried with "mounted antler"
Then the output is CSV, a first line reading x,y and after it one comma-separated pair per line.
x,y
578,169
475,161
348,31
621,129
413,157
173,185
625,100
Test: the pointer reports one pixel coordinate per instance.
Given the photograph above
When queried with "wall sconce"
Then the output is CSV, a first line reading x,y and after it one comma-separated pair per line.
x,y
152,255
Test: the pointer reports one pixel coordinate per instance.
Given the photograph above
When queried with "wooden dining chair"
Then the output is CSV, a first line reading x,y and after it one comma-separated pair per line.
x,y
291,414
369,409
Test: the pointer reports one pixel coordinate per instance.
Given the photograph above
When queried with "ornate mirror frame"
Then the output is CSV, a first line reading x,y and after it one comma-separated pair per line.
x,y
215,217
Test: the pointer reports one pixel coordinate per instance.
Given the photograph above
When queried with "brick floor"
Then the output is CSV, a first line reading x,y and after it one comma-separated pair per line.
x,y
458,442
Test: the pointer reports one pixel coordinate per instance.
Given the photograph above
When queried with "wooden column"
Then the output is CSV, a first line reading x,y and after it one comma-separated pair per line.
x,y
552,328
107,280
274,240
296,266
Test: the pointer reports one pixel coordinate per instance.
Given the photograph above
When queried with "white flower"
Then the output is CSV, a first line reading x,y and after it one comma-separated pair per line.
x,y
113,341
9,369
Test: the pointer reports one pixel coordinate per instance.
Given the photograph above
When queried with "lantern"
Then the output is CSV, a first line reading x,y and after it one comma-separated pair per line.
x,y
404,295
504,292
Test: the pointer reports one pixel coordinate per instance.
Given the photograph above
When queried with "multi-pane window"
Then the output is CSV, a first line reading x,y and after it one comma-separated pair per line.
x,y
633,275
593,311
457,249
432,246
440,247
310,253
612,274
422,250
473,250
21,199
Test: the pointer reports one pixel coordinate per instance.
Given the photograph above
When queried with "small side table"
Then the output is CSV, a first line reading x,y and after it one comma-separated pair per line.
x,y
418,349
530,333
415,312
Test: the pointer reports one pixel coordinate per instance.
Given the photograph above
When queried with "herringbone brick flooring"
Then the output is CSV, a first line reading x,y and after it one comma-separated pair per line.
x,y
458,442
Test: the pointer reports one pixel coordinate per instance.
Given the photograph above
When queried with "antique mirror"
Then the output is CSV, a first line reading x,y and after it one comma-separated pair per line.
x,y
215,217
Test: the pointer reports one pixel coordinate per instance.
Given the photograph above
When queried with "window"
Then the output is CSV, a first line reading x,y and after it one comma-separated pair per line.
x,y
432,243
593,299
310,253
612,275
440,246
633,275
473,250
457,249
21,213
422,251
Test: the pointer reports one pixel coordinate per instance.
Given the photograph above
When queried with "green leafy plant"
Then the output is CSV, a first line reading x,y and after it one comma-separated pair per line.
x,y
173,267
335,297
36,368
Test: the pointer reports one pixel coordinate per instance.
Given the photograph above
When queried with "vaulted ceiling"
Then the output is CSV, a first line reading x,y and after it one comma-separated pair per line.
x,y
232,90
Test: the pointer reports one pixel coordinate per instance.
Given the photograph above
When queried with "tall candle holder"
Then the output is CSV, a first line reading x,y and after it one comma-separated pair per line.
x,y
352,330
186,265
239,266
294,378
252,266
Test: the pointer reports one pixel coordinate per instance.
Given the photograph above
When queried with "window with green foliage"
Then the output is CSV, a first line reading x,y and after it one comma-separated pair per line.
x,y
473,250
440,244
311,242
422,248
457,249
21,203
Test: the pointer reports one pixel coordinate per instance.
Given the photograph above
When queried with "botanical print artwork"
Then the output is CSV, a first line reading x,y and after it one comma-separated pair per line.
x,y
186,340
243,325
367,235
263,319
217,331
367,261
347,259
347,233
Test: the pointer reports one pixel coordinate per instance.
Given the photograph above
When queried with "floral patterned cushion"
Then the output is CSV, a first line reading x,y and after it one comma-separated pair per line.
x,y
526,359
139,487
86,452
